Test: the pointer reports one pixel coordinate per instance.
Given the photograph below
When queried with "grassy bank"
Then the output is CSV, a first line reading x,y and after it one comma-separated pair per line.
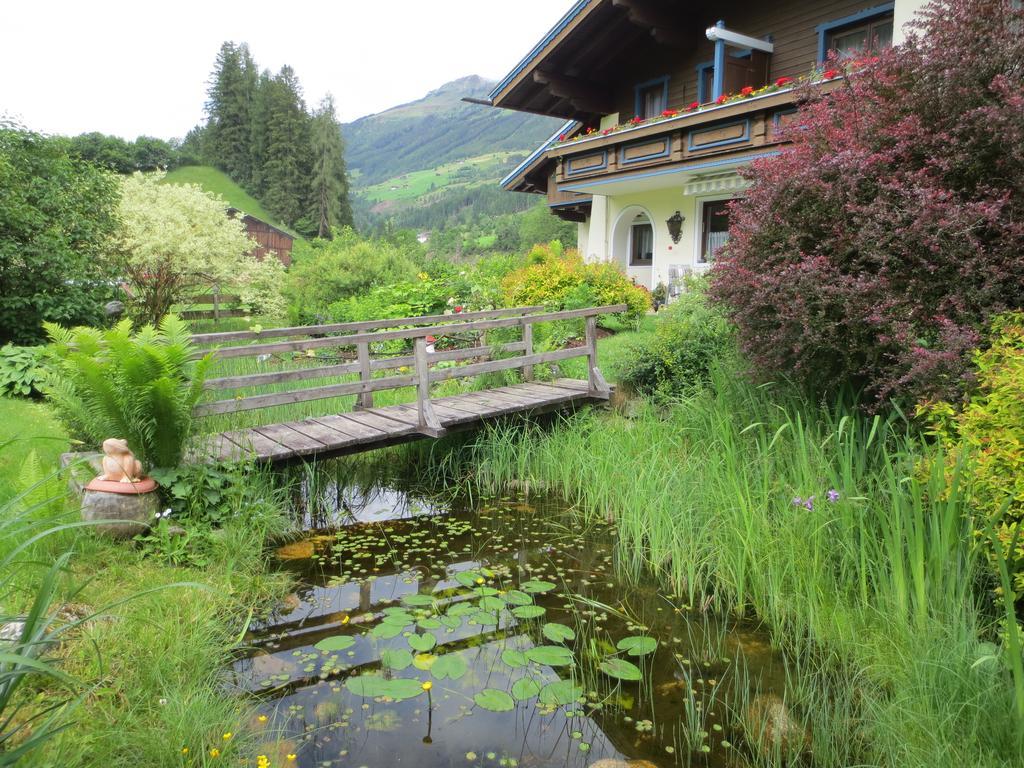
x,y
152,664
824,523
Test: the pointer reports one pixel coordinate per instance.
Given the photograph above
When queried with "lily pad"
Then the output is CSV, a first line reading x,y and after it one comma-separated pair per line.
x,y
525,688
422,643
396,658
428,623
461,609
514,658
449,665
387,631
485,619
558,633
620,669
536,586
491,604
417,599
528,611
404,688
336,643
637,645
372,686
424,661
550,655
468,578
452,622
559,693
494,700
518,597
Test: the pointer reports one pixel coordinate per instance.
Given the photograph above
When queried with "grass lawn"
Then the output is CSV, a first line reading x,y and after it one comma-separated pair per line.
x,y
33,429
219,183
153,665
409,186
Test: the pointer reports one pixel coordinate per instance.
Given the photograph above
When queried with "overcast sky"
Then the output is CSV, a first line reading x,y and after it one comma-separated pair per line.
x,y
141,68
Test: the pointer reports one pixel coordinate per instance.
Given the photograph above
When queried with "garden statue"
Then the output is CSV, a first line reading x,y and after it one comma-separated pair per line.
x,y
120,500
119,463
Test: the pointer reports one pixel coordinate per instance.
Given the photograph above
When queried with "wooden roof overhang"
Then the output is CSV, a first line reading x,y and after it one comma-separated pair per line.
x,y
569,72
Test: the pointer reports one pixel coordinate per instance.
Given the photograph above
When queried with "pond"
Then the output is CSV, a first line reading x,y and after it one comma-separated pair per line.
x,y
498,632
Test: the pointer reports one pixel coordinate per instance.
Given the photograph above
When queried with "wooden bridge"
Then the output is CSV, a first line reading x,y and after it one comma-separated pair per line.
x,y
443,347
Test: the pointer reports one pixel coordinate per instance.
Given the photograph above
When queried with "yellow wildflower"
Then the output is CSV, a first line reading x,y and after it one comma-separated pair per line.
x,y
214,752
427,686
346,619
228,735
290,758
262,718
184,750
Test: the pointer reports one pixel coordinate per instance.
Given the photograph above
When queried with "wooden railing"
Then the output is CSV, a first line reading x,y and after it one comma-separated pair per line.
x,y
216,303
361,335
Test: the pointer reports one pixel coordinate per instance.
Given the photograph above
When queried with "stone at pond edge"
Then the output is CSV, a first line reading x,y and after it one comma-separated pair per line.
x,y
124,515
770,724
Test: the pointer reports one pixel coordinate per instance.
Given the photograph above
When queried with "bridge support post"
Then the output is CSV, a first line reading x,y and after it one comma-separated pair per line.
x,y
365,399
598,387
429,423
527,349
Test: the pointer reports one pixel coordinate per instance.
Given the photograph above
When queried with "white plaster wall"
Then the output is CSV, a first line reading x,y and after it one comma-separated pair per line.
x,y
597,230
583,236
902,13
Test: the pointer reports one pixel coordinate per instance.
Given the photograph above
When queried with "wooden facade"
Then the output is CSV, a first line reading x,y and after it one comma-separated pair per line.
x,y
592,68
267,236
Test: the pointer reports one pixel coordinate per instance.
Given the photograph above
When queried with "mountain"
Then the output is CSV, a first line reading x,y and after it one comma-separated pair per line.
x,y
437,130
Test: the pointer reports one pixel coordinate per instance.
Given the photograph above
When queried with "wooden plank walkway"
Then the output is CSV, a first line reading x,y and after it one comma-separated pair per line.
x,y
443,347
370,428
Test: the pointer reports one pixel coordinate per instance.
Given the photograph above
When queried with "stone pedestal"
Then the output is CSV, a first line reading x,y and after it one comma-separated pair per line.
x,y
124,515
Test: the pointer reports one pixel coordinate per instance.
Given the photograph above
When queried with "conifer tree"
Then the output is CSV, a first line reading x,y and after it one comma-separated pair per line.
x,y
285,147
229,130
329,192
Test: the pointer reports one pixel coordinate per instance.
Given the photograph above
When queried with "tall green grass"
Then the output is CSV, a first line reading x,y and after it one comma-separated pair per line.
x,y
874,593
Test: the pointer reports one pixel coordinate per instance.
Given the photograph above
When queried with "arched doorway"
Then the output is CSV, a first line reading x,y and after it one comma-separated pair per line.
x,y
633,244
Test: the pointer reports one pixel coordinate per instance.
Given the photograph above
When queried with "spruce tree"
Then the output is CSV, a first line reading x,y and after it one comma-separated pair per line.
x,y
229,129
329,182
285,147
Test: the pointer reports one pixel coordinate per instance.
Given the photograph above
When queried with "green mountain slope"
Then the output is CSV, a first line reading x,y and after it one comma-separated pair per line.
x,y
219,183
437,161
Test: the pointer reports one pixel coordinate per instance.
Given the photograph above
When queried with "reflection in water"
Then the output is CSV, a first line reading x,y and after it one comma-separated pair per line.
x,y
509,586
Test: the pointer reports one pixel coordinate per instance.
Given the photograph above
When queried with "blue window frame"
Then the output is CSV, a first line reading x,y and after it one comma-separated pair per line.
x,y
650,94
829,27
704,69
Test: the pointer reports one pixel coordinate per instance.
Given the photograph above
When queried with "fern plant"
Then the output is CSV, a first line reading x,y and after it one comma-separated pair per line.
x,y
137,385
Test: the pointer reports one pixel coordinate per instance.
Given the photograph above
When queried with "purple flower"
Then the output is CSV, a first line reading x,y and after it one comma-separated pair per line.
x,y
809,504
797,501
833,495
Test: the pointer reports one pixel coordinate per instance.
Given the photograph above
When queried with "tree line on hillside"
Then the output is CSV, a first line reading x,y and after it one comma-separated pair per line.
x,y
261,134
146,153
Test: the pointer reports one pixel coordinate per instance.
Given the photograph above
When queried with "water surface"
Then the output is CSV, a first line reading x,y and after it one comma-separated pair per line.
x,y
522,624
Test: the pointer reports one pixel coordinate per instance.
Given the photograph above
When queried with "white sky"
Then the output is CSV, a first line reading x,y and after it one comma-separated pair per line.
x,y
141,68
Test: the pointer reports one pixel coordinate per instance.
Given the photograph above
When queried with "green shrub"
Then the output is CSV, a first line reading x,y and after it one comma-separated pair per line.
x,y
690,335
347,266
990,429
560,280
140,386
21,370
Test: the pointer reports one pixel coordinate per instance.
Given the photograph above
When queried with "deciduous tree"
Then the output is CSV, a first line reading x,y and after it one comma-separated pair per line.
x,y
175,239
56,214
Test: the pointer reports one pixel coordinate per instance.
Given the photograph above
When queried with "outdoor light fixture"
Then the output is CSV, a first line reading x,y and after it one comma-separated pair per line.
x,y
675,226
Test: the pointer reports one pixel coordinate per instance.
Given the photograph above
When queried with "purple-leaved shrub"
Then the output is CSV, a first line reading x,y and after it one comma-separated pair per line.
x,y
874,249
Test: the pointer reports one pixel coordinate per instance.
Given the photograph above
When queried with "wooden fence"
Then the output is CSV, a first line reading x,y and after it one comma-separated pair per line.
x,y
361,336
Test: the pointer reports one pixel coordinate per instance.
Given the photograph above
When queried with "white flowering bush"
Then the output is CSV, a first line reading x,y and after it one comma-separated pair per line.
x,y
176,239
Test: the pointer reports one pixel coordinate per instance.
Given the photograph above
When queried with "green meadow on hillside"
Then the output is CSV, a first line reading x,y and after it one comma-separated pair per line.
x,y
220,183
469,172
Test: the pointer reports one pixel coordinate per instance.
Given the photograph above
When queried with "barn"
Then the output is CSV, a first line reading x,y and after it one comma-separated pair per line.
x,y
267,236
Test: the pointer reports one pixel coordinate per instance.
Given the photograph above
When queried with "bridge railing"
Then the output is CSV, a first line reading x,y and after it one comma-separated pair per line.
x,y
413,370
